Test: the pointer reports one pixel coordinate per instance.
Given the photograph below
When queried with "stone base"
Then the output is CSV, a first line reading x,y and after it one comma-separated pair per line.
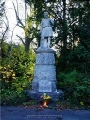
x,y
36,95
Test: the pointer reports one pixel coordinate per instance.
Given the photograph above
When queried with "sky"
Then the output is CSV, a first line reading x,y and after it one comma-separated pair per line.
x,y
10,12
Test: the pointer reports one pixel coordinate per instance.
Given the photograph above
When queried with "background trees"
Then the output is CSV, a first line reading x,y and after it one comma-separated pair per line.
x,y
4,24
71,41
16,74
71,26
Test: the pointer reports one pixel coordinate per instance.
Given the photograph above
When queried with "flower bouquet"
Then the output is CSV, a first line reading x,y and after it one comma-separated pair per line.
x,y
46,99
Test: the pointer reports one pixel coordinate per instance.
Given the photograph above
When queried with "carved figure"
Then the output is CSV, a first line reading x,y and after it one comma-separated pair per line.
x,y
46,31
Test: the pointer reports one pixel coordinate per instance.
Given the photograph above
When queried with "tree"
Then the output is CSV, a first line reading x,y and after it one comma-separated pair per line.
x,y
70,24
28,27
80,55
4,24
16,80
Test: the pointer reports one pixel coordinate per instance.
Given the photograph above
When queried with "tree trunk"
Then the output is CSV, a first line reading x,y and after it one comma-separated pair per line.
x,y
64,38
27,44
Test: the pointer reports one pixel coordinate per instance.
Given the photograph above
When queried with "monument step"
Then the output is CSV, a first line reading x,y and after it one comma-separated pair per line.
x,y
56,95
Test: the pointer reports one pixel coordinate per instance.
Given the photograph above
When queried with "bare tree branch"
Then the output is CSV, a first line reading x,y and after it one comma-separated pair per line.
x,y
21,39
3,21
19,22
7,24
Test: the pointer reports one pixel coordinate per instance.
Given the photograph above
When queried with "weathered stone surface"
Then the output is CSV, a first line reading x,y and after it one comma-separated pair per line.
x,y
45,58
44,87
56,95
44,50
44,70
45,75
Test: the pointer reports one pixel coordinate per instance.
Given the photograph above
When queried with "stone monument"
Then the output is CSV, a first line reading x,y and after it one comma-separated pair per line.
x,y
45,73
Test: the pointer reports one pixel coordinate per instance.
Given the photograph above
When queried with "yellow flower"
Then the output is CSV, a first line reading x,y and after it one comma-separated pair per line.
x,y
81,103
1,67
3,72
8,74
13,75
11,70
46,97
4,76
8,65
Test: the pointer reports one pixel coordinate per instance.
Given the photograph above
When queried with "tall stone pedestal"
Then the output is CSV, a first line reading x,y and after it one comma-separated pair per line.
x,y
45,75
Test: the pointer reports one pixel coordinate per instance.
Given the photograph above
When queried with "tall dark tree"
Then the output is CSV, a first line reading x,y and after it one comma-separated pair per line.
x,y
71,25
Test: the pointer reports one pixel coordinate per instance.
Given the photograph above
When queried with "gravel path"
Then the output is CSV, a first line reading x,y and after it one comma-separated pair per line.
x,y
22,113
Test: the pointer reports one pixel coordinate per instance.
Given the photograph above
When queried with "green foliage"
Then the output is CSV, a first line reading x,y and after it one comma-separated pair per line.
x,y
17,68
9,97
72,24
79,59
31,103
76,87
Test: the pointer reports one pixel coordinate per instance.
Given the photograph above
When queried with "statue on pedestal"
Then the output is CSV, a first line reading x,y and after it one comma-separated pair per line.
x,y
46,31
45,72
